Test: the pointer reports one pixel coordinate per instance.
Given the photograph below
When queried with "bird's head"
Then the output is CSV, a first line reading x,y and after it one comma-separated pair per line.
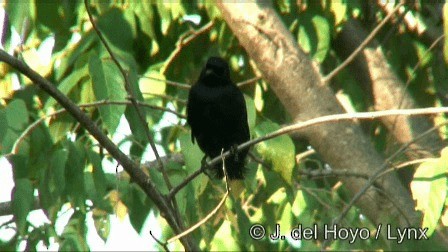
x,y
216,72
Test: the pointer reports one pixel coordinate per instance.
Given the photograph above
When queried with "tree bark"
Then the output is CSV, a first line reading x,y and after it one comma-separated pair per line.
x,y
297,83
387,91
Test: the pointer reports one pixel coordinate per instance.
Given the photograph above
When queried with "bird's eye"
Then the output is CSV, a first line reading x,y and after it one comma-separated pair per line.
x,y
218,71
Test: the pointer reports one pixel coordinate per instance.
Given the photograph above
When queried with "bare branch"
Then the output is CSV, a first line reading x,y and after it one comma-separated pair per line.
x,y
32,126
129,166
313,122
213,212
185,40
179,85
358,50
140,114
378,173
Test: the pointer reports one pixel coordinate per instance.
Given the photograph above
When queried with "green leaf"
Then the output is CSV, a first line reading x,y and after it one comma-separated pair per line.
x,y
20,166
177,175
339,10
284,6
20,13
99,180
314,36
73,237
9,138
138,132
278,197
299,204
17,114
47,14
68,83
279,151
223,241
177,10
225,38
429,189
22,203
74,174
75,55
423,54
138,207
101,220
3,129
108,84
57,169
286,220
145,13
149,86
212,10
123,31
193,156
52,183
251,113
60,126
445,31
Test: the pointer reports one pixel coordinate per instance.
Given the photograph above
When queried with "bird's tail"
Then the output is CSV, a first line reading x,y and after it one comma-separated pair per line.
x,y
234,166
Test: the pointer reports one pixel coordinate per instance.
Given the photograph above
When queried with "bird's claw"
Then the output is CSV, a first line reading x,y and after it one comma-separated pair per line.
x,y
205,168
234,152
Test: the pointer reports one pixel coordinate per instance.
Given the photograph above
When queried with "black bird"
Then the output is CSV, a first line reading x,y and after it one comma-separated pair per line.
x,y
216,113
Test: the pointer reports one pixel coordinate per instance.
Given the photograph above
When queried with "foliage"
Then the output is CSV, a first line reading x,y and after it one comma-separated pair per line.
x,y
61,164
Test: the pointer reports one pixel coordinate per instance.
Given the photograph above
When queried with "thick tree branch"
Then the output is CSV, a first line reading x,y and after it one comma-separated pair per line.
x,y
387,90
361,46
299,87
141,117
128,165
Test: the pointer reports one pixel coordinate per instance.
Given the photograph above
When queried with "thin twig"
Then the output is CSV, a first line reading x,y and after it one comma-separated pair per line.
x,y
167,97
318,199
184,183
249,81
322,173
313,122
411,162
212,213
164,245
129,166
169,82
187,86
32,126
140,114
304,154
185,40
129,91
394,168
378,173
408,82
314,174
358,50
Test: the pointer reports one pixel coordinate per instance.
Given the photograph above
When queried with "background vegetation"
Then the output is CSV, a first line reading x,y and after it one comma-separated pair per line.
x,y
162,46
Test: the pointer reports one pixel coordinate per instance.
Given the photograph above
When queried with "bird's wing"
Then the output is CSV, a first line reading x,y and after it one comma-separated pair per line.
x,y
238,113
192,111
244,122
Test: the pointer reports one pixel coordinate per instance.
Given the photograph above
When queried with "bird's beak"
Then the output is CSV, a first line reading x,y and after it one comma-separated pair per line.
x,y
208,72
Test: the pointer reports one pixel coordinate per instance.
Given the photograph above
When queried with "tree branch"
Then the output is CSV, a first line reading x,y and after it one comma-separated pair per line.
x,y
302,126
140,114
298,85
128,165
387,90
361,46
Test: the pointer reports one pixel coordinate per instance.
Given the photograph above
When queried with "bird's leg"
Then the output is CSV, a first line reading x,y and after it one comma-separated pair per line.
x,y
205,167
234,152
